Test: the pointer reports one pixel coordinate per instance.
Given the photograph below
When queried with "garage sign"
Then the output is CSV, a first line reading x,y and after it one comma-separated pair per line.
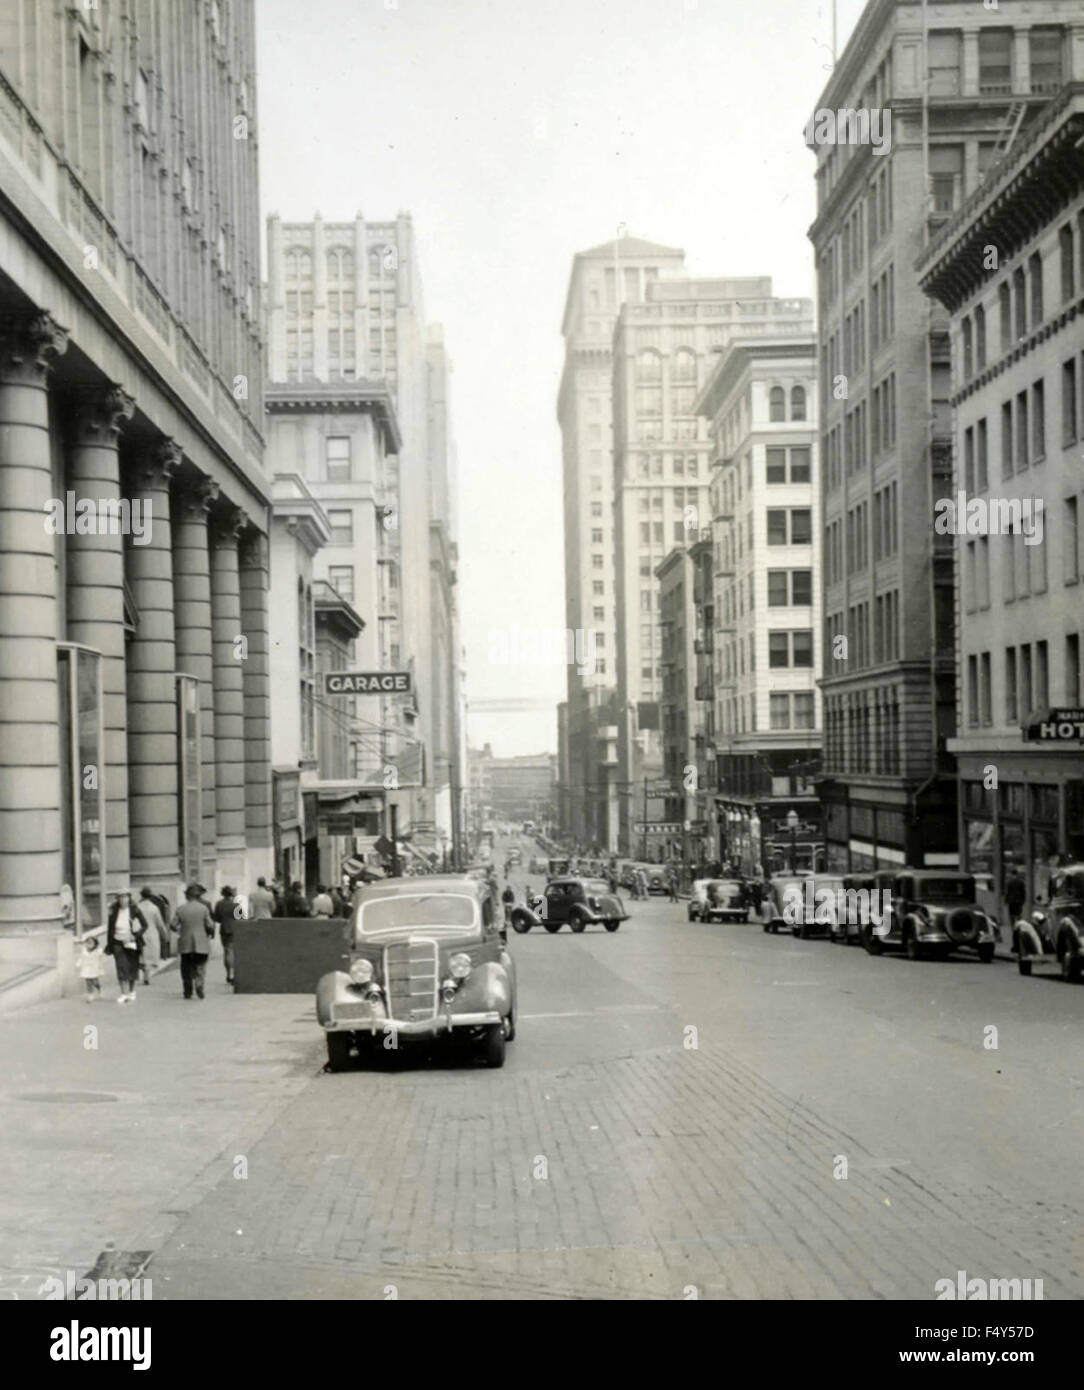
x,y
367,683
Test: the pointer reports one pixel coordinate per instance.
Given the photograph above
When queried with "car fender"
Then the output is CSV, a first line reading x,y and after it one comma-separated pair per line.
x,y
332,988
489,988
1029,942
1070,929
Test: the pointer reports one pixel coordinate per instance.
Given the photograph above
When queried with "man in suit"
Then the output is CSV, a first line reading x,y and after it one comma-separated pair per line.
x,y
196,928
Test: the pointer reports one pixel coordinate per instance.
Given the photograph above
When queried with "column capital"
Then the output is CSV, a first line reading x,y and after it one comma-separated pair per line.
x,y
253,550
29,343
100,413
158,464
228,525
194,502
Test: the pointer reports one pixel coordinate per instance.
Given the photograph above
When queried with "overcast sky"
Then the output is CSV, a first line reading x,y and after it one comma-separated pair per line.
x,y
518,132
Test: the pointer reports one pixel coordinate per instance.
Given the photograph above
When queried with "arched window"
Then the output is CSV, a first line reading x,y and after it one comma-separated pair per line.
x,y
685,365
797,403
777,404
649,366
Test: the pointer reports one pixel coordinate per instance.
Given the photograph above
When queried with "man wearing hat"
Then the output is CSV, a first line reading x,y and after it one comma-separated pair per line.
x,y
193,921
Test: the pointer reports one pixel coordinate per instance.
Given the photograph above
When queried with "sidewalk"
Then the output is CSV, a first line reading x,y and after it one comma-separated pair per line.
x,y
116,1121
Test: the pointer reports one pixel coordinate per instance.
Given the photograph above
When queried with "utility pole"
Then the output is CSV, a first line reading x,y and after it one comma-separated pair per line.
x,y
645,821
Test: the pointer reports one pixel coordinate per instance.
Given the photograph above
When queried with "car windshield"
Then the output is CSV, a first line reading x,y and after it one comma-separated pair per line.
x,y
725,887
596,886
961,889
433,911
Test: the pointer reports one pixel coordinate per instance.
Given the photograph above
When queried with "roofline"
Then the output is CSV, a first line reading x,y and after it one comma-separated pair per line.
x,y
373,397
747,350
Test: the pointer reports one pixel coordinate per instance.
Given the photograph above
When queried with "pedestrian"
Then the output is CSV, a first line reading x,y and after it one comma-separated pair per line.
x,y
150,954
296,902
156,919
641,885
672,883
124,940
261,901
1015,895
322,905
508,897
91,968
226,912
196,929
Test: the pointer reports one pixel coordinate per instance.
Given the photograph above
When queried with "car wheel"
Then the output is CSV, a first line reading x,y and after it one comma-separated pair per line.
x,y
986,952
577,922
510,1026
911,947
872,943
692,915
800,931
493,1046
1024,966
1070,964
338,1051
767,926
521,924
612,926
552,926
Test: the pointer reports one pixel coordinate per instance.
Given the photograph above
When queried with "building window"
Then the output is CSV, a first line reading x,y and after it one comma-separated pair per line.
x,y
778,588
337,458
1035,274
1068,268
980,338
775,465
342,527
995,62
1045,59
801,526
943,50
1068,402
1071,542
341,579
797,403
777,527
1038,422
778,649
1011,705
1072,670
779,711
801,588
777,405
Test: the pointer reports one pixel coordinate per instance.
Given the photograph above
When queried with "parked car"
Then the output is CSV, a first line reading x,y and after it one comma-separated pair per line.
x,y
782,889
1056,934
426,962
718,900
932,912
577,901
847,930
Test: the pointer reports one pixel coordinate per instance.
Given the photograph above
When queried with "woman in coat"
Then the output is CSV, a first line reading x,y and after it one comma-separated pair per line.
x,y
124,942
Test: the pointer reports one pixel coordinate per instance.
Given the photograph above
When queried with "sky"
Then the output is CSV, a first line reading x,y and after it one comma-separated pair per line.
x,y
518,132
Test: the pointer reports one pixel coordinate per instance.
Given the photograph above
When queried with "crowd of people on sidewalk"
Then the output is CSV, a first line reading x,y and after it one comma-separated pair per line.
x,y
143,932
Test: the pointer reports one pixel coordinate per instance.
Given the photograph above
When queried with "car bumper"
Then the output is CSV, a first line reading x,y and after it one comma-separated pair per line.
x,y
435,1027
941,938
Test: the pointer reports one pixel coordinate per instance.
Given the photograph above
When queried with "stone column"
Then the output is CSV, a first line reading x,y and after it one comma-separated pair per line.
x,y
229,661
152,687
255,571
95,598
30,793
192,622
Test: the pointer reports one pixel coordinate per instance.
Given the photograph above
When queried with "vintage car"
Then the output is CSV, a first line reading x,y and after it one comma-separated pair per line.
x,y
814,905
718,900
657,880
929,912
777,910
1055,934
426,962
577,901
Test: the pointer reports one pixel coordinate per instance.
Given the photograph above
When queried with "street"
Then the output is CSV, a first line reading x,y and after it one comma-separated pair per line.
x,y
670,1123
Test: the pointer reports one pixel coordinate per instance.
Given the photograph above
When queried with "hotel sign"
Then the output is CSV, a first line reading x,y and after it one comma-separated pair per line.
x,y
1055,726
367,683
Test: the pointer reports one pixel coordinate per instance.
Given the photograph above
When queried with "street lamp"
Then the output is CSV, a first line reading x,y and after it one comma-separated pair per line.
x,y
792,826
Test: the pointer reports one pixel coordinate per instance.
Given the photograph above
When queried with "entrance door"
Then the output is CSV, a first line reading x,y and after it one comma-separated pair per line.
x,y
82,780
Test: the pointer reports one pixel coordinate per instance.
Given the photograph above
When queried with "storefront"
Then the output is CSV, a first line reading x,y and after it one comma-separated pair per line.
x,y
1022,812
867,828
771,835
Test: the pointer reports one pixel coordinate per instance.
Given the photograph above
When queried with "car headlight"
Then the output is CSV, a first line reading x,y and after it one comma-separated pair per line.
x,y
361,971
459,967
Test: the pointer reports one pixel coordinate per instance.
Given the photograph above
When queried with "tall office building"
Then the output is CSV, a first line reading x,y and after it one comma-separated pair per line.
x,y
663,351
133,740
602,279
349,348
1016,501
957,92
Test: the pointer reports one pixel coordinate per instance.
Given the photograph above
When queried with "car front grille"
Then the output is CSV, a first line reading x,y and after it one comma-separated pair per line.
x,y
347,1012
411,977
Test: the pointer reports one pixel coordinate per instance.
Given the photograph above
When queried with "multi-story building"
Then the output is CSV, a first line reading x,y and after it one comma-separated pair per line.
x,y
680,712
760,404
1009,268
947,86
515,789
134,738
360,385
602,279
663,352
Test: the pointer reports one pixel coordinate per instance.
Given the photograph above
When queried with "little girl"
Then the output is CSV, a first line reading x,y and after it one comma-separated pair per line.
x,y
91,968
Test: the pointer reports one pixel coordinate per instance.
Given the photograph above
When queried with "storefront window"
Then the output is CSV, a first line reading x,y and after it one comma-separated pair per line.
x,y
1011,798
1044,802
980,846
83,779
